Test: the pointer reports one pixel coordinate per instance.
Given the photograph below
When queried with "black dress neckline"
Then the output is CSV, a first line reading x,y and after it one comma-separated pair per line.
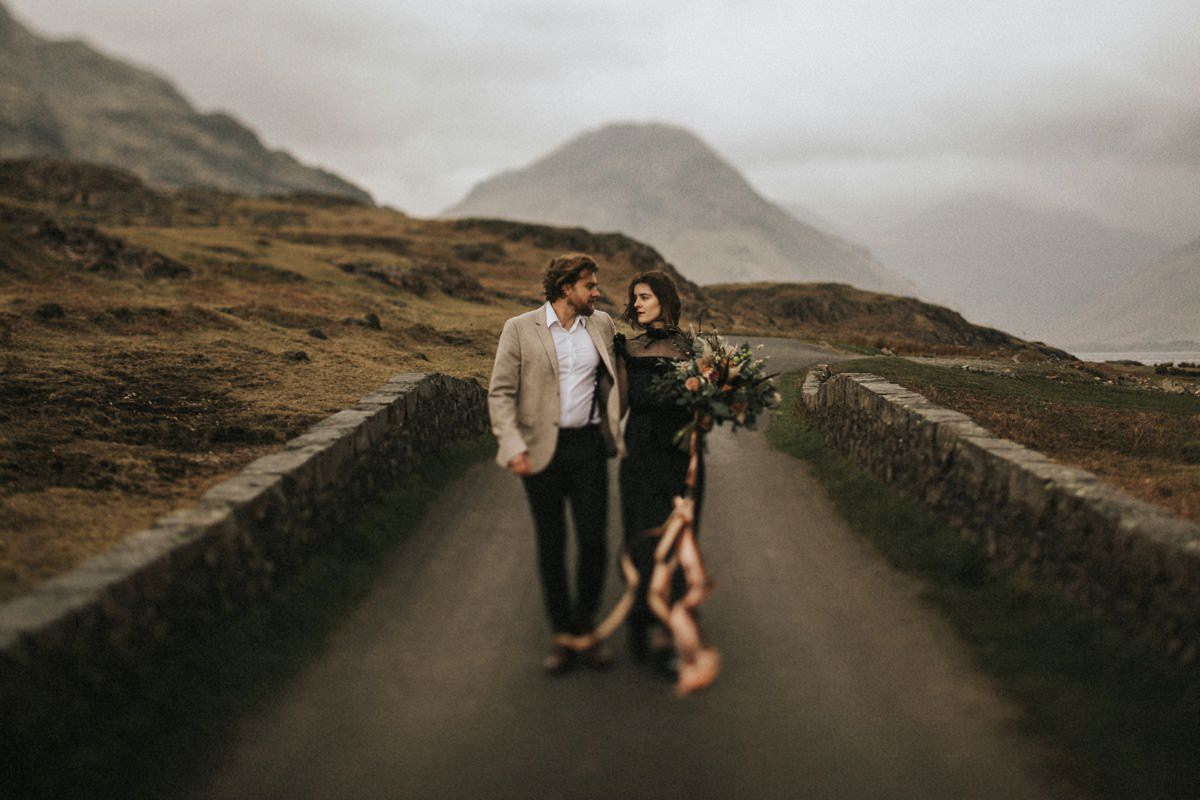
x,y
664,332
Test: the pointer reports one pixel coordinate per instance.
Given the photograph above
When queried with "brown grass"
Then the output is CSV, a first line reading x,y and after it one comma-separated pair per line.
x,y
126,396
1138,451
1132,437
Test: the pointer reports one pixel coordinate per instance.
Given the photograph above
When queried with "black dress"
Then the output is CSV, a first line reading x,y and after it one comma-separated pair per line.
x,y
653,471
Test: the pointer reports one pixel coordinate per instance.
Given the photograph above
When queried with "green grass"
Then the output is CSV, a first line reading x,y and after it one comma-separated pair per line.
x,y
1122,723
157,733
1027,381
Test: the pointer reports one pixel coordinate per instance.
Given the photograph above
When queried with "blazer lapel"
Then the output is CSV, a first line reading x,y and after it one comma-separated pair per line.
x,y
543,334
602,346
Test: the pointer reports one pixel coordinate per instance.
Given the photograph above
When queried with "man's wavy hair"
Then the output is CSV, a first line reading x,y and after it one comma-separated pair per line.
x,y
565,270
664,290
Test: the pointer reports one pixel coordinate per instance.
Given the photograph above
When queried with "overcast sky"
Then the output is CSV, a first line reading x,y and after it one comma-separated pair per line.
x,y
863,111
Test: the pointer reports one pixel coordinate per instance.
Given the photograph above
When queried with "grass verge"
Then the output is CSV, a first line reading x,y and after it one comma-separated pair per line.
x,y
1136,437
159,731
1122,723
1068,386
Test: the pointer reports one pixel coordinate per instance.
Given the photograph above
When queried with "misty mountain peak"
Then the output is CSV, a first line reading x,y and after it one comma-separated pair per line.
x,y
663,185
620,140
614,158
11,31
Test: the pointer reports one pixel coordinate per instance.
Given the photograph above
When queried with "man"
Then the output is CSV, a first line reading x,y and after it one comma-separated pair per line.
x,y
556,419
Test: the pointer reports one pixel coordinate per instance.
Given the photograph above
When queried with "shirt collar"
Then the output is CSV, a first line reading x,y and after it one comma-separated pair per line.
x,y
552,318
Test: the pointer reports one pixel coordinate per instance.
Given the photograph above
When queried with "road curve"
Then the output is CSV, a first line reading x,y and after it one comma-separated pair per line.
x,y
838,681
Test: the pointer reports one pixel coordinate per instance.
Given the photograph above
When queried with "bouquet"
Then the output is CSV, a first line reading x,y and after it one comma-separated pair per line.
x,y
718,383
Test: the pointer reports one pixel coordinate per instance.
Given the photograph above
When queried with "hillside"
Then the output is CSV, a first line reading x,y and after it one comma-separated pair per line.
x,y
1005,264
152,343
664,186
845,314
67,100
1157,307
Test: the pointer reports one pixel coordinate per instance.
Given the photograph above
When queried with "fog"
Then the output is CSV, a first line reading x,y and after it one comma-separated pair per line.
x,y
864,111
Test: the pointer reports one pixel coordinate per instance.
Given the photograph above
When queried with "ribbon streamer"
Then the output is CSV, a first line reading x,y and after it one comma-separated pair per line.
x,y
677,549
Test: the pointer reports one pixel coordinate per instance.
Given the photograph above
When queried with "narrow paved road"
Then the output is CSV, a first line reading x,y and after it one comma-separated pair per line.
x,y
838,682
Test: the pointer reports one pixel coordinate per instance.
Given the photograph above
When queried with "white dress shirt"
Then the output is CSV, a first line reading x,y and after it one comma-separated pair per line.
x,y
577,363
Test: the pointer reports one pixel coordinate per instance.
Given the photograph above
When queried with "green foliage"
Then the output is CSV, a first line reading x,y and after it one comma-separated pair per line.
x,y
1124,722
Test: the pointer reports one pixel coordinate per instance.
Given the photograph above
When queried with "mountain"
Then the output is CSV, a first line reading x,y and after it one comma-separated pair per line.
x,y
1158,307
664,186
1009,265
812,218
65,99
853,316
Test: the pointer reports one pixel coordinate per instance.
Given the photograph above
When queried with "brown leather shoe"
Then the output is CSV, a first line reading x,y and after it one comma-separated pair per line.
x,y
559,660
598,656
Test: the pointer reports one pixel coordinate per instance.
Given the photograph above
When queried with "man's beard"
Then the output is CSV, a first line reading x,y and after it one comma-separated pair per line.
x,y
584,310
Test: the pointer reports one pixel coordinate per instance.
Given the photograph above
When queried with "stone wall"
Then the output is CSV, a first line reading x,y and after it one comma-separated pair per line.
x,y
1133,563
241,537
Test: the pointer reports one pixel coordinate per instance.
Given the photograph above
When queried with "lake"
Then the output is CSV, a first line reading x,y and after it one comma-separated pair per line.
x,y
1161,357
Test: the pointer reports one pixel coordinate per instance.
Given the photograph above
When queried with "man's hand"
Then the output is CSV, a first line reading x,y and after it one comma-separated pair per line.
x,y
519,464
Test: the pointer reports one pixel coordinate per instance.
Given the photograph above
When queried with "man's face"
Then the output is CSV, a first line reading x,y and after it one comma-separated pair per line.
x,y
582,294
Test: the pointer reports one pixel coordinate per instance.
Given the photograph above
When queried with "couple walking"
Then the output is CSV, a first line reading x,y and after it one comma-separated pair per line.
x,y
563,381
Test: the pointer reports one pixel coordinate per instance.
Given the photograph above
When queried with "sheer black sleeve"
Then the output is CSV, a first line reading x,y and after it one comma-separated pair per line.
x,y
648,361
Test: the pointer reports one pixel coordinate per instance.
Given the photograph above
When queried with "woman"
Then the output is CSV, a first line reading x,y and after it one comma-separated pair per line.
x,y
654,469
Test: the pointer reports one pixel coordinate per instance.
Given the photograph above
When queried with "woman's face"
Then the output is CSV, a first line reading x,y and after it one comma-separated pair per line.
x,y
645,304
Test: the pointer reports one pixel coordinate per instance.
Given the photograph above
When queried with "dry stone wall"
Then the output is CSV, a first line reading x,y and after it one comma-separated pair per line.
x,y
1133,563
241,537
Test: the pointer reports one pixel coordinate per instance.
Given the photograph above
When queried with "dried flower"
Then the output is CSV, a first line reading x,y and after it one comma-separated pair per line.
x,y
718,383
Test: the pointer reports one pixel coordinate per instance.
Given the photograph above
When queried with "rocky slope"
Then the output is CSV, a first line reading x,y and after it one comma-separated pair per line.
x,y
664,186
66,99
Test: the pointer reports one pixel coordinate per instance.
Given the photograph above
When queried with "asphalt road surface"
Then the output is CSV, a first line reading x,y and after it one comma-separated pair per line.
x,y
837,682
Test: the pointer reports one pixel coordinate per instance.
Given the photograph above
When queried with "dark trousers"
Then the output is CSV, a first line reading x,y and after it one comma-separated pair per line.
x,y
578,473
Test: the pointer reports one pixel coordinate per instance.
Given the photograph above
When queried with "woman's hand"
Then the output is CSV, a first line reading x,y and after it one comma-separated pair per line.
x,y
519,464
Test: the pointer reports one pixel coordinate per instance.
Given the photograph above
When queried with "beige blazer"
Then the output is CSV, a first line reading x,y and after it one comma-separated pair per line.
x,y
523,396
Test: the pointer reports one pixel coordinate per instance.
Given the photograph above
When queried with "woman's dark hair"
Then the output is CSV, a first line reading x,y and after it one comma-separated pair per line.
x,y
664,290
565,270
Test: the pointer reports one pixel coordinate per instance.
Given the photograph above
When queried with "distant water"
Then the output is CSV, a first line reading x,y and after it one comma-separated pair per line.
x,y
1162,357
